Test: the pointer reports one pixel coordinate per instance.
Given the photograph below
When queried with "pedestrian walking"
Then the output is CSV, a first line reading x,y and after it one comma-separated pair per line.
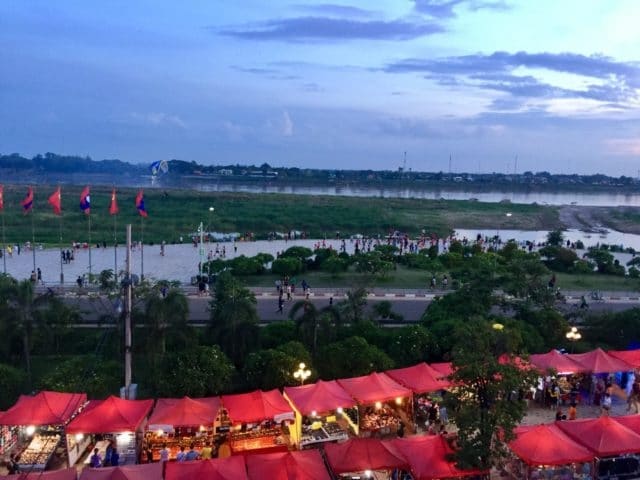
x,y
280,304
39,276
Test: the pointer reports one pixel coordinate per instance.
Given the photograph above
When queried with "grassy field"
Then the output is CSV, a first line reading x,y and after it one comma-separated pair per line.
x,y
175,213
603,283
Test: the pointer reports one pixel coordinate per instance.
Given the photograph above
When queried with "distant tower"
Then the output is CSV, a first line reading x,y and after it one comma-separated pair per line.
x,y
449,164
515,166
404,163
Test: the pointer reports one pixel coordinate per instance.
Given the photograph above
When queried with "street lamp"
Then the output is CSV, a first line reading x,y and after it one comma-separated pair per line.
x,y
497,326
211,210
302,373
573,336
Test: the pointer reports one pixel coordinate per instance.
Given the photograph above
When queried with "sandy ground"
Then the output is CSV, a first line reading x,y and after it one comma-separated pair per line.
x,y
591,218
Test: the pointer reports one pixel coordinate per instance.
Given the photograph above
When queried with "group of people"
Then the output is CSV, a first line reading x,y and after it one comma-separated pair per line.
x,y
111,457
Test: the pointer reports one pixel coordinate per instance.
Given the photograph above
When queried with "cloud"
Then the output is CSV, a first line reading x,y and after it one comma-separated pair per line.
x,y
446,8
332,9
270,73
158,119
623,146
308,29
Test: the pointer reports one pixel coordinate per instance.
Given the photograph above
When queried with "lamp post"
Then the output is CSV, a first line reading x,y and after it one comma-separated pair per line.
x,y
573,336
211,210
302,373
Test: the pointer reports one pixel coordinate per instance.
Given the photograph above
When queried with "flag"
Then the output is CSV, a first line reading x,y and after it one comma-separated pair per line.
x,y
1,197
140,204
113,208
27,203
85,201
55,200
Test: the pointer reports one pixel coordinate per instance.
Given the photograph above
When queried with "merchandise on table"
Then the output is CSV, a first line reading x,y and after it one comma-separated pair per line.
x,y
39,451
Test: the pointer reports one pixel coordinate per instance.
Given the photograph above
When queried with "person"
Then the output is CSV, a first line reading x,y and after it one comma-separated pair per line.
x,y
181,456
39,275
164,453
606,404
558,414
79,281
95,461
107,455
280,304
573,411
207,452
148,453
12,466
583,303
444,415
400,431
115,457
33,277
192,454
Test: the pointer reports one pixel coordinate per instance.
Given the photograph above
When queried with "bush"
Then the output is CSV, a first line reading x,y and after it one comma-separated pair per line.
x,y
286,266
302,253
11,385
634,272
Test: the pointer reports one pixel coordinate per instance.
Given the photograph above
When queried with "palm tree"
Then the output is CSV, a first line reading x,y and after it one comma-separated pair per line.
x,y
313,323
167,312
352,308
234,319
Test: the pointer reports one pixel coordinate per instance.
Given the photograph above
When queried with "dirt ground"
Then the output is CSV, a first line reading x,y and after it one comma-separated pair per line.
x,y
594,218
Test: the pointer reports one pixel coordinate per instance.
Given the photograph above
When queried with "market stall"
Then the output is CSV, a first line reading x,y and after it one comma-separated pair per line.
x,y
37,423
148,471
445,369
307,465
318,408
8,437
383,404
562,364
604,436
112,421
231,468
66,474
177,422
364,455
257,421
632,357
599,361
544,450
429,458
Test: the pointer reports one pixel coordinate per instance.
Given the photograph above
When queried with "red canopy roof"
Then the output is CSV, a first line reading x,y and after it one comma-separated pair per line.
x,y
604,436
547,445
66,474
598,361
376,387
111,415
427,457
360,454
319,397
632,422
420,378
256,406
632,357
230,468
146,471
445,368
185,412
563,364
305,465
45,408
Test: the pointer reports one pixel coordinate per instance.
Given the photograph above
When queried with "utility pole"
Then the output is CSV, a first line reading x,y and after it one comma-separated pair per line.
x,y
201,248
127,318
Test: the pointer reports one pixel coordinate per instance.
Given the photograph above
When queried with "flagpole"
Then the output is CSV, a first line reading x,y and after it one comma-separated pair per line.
x,y
141,248
61,262
4,246
33,239
90,279
115,247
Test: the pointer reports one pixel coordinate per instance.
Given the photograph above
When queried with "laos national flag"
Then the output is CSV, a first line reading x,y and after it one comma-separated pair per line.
x,y
140,204
27,203
85,201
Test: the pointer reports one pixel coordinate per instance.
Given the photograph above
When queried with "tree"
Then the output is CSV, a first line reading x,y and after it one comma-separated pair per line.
x,y
288,266
273,368
98,379
555,237
167,314
351,357
234,319
410,345
487,403
11,385
351,309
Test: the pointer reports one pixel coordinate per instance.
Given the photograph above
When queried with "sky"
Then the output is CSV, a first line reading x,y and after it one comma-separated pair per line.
x,y
476,85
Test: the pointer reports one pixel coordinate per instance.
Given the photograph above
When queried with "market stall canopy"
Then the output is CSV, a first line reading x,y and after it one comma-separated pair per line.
x,y
111,415
319,397
230,468
632,422
44,408
563,364
444,368
632,357
184,412
376,387
427,456
146,471
516,361
257,406
547,445
304,465
603,436
598,361
420,378
360,454
67,474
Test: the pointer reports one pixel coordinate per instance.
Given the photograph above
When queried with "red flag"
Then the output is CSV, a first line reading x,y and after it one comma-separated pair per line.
x,y
27,203
85,201
140,204
113,208
55,200
1,197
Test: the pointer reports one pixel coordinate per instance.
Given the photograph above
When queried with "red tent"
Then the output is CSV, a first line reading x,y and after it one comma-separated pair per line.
x,y
45,408
598,361
427,457
563,364
146,471
376,387
547,445
319,397
360,454
230,468
111,415
604,436
257,406
67,474
632,422
420,378
632,357
184,412
304,465
444,368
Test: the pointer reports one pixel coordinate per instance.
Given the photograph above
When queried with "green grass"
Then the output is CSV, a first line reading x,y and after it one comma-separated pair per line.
x,y
605,283
178,212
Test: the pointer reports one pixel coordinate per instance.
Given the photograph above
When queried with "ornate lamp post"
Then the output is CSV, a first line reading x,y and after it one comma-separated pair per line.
x,y
302,373
573,336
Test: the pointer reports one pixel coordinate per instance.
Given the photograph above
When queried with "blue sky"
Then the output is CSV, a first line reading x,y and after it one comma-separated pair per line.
x,y
344,84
